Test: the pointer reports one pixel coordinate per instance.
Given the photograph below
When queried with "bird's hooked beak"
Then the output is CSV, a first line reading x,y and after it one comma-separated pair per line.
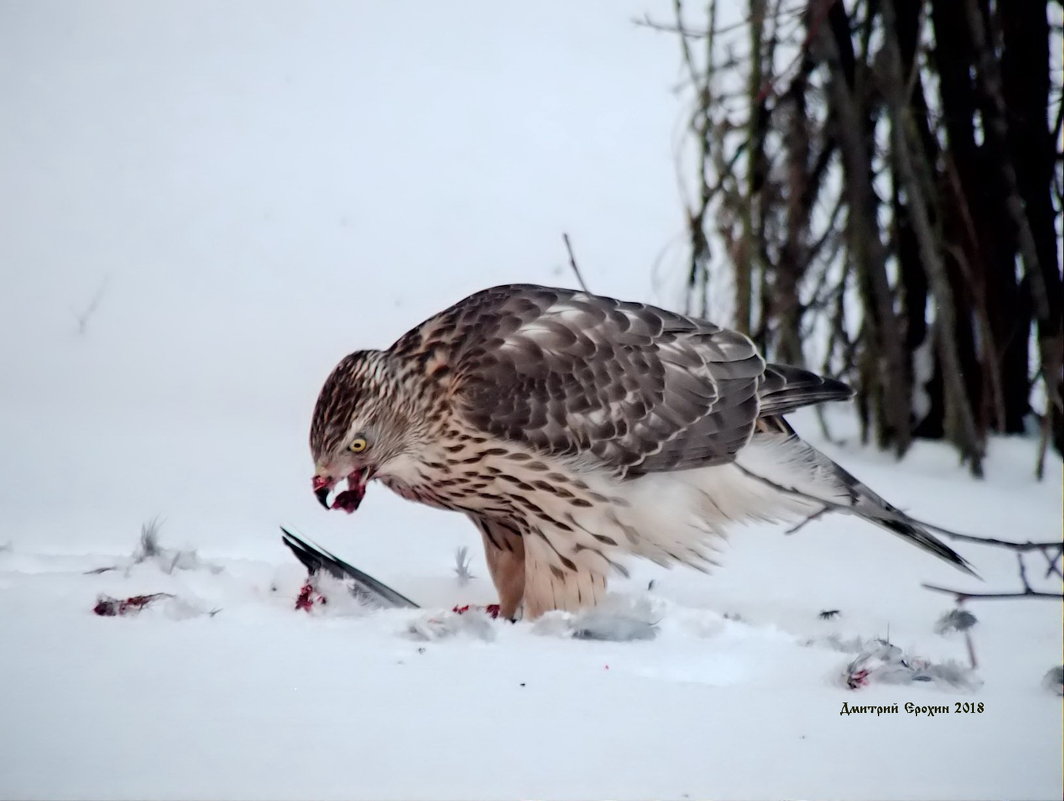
x,y
322,485
348,499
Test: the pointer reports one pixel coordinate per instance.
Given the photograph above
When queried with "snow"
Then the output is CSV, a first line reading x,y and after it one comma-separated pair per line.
x,y
264,188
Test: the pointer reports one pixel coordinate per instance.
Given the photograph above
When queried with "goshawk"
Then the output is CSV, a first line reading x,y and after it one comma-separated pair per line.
x,y
575,429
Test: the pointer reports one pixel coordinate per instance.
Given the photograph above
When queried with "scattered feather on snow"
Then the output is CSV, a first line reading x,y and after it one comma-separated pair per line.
x,y
955,620
554,624
461,565
167,559
443,625
616,619
165,603
326,595
881,662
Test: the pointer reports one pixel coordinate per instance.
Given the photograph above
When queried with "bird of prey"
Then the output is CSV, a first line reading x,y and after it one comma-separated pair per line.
x,y
574,429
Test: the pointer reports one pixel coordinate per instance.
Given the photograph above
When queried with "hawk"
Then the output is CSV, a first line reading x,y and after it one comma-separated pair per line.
x,y
574,429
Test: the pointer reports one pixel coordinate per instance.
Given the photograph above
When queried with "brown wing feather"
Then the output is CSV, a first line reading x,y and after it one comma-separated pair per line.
x,y
786,388
633,387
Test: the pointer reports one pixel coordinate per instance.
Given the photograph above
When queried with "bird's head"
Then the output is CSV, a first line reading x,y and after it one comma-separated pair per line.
x,y
358,427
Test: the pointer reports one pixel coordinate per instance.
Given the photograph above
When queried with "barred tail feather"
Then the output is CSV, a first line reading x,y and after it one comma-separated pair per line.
x,y
797,469
912,531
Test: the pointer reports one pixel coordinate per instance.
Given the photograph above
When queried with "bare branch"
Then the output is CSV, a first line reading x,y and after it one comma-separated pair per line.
x,y
961,595
1023,571
801,116
809,519
1046,548
1053,562
85,315
1012,544
572,263
1027,592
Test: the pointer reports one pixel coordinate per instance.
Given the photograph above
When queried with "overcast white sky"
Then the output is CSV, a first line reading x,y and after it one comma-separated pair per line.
x,y
266,186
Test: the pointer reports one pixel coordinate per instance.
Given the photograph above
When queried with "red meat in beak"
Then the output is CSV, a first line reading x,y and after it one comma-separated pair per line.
x,y
348,499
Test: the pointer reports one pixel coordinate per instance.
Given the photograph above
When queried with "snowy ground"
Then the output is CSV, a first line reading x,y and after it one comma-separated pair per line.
x,y
252,194
739,694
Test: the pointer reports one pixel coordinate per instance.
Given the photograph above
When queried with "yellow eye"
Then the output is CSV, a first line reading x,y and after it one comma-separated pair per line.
x,y
358,444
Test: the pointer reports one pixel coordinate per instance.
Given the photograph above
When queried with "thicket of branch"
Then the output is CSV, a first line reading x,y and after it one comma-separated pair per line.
x,y
876,189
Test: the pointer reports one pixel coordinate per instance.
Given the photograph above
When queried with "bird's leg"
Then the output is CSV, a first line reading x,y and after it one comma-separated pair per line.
x,y
507,567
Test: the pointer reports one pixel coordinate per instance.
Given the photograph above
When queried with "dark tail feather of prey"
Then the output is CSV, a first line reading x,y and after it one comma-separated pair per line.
x,y
365,586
